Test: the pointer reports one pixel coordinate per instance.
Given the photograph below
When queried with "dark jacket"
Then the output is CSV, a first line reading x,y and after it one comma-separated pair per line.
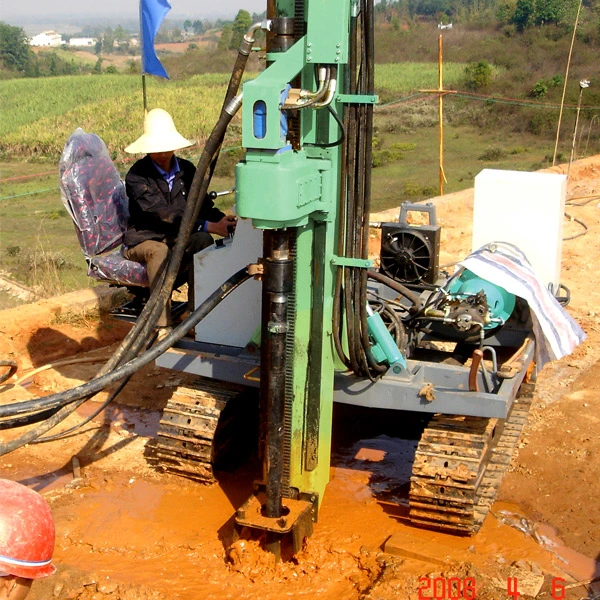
x,y
154,212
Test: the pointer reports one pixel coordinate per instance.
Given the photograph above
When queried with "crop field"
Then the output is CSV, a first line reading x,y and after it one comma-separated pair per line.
x,y
37,240
40,114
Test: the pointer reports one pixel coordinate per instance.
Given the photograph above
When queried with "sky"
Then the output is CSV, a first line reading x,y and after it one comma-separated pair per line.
x,y
198,9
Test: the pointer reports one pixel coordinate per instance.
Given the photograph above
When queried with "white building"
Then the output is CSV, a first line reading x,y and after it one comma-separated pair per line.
x,y
82,41
46,38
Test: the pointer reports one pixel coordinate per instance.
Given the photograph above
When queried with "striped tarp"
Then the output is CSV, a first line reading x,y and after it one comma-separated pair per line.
x,y
556,332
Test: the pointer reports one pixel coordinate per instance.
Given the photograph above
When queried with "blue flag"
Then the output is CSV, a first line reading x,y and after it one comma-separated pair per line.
x,y
152,13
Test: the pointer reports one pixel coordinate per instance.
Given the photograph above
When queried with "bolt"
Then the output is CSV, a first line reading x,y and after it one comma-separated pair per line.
x,y
282,522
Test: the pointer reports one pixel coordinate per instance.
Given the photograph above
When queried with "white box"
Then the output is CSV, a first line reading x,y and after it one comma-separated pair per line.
x,y
235,319
524,209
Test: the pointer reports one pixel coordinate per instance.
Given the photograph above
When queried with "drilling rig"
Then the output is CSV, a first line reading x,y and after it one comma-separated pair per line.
x,y
319,323
305,319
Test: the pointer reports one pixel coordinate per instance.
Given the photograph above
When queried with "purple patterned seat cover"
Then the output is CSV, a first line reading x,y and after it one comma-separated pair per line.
x,y
94,195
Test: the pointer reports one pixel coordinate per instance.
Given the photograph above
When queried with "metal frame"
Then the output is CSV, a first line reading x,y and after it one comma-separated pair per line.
x,y
448,383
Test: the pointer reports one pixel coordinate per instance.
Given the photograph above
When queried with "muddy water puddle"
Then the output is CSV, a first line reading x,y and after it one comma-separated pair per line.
x,y
126,532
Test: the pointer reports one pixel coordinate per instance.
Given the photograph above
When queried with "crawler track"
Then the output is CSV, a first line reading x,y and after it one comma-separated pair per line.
x,y
459,465
202,426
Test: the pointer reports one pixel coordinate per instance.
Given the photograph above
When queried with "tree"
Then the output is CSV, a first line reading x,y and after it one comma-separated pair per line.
x,y
241,24
187,24
225,39
478,75
198,27
108,41
523,16
15,52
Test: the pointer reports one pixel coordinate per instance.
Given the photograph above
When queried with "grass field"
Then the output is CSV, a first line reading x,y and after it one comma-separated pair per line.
x,y
40,114
38,245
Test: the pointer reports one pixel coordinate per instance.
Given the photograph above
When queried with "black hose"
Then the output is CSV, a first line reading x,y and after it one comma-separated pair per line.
x,y
78,395
29,419
137,336
64,434
397,287
146,322
12,368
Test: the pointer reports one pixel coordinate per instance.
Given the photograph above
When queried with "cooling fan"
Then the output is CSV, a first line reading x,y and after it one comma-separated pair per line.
x,y
409,253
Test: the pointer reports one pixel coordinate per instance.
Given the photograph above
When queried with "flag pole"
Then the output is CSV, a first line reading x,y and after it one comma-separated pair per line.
x,y
152,13
144,97
144,93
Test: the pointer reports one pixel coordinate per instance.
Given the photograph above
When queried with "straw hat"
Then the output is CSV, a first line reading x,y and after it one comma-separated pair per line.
x,y
159,135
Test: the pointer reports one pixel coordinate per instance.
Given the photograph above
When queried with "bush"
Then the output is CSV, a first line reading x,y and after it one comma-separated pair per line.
x,y
492,154
414,190
478,75
538,91
393,153
542,123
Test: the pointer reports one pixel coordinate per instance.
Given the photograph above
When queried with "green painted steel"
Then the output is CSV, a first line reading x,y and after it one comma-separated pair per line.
x,y
344,261
358,99
281,187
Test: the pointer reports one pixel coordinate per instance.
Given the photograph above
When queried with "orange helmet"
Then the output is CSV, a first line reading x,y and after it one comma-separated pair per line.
x,y
26,532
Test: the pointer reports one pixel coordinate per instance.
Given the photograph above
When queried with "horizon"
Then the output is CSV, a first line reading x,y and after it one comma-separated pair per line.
x,y
34,14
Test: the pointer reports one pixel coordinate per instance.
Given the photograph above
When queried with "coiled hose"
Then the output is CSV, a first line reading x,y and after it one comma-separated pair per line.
x,y
69,400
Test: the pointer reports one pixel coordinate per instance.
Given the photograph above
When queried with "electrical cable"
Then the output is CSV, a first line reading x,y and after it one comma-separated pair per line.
x,y
576,235
59,363
69,400
587,199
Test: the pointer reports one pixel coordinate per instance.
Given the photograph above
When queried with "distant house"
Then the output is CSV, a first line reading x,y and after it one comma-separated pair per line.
x,y
46,38
81,41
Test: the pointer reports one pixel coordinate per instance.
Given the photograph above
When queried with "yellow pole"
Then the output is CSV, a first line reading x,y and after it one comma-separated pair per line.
x,y
441,114
562,101
441,92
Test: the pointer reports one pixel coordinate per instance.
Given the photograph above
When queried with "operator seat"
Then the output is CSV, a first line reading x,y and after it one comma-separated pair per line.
x,y
94,195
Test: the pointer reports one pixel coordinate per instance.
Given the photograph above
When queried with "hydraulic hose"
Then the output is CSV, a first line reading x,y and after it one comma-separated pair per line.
x,y
70,399
63,434
29,419
149,316
355,202
397,287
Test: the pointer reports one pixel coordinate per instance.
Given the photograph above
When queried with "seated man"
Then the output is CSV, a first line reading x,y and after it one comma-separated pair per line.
x,y
157,187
